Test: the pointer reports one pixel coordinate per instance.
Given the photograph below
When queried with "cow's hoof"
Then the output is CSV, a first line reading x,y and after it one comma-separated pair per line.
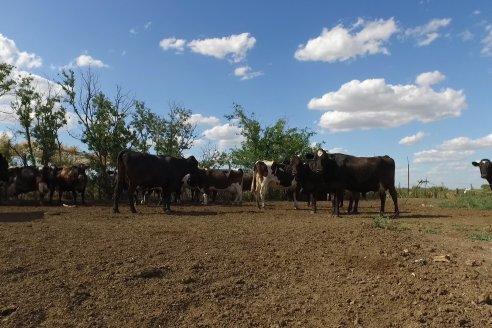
x,y
115,210
312,212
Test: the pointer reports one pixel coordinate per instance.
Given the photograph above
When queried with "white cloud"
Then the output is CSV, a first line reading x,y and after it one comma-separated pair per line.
x,y
429,78
199,119
372,103
337,150
245,73
456,149
86,60
466,35
11,55
340,44
426,34
465,143
413,139
234,47
436,155
226,136
487,42
133,31
147,25
173,43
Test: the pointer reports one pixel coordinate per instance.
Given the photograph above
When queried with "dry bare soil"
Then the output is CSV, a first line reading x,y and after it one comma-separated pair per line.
x,y
231,266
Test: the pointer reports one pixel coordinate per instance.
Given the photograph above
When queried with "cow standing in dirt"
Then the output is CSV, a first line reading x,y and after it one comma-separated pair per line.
x,y
214,180
271,174
69,178
28,179
341,172
150,171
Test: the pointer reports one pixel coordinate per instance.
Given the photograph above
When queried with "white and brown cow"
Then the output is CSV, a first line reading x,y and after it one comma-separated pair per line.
x,y
271,174
213,180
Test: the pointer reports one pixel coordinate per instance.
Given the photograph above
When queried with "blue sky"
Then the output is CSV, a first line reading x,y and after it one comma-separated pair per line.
x,y
410,79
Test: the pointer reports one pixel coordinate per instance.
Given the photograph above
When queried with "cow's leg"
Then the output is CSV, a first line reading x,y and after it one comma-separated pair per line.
x,y
82,195
52,190
166,194
356,197
263,191
60,194
74,195
240,194
205,198
312,198
295,199
394,197
131,195
382,196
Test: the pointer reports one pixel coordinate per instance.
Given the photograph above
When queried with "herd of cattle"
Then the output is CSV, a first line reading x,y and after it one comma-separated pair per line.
x,y
313,175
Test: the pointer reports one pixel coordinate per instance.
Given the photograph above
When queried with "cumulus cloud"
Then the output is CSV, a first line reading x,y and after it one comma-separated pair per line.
x,y
413,139
429,78
86,60
173,43
487,42
199,119
340,43
11,55
456,149
233,47
226,136
245,73
428,33
372,103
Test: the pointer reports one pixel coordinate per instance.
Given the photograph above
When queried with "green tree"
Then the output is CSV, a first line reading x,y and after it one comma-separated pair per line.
x,y
212,158
143,120
23,106
174,135
277,142
103,121
49,117
7,83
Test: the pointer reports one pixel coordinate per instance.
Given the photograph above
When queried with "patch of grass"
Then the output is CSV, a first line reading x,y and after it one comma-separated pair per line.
x,y
384,222
481,201
480,235
432,231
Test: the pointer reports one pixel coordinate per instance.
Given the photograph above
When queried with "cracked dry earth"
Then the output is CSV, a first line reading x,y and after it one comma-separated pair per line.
x,y
231,266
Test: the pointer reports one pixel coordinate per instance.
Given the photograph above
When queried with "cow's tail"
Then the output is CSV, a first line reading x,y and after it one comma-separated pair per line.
x,y
121,167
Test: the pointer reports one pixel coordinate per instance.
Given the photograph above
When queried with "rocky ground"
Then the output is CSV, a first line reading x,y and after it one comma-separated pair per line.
x,y
231,266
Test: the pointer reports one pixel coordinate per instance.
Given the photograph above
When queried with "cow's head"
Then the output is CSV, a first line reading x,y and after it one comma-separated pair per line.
x,y
296,165
485,170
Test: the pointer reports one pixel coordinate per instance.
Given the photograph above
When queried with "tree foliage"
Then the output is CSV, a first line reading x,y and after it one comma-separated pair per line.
x,y
23,106
175,134
276,142
7,83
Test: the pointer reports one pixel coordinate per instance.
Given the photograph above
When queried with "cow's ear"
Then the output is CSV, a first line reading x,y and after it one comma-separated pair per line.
x,y
475,164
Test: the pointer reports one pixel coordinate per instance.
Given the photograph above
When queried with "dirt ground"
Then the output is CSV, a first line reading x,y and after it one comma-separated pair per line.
x,y
231,266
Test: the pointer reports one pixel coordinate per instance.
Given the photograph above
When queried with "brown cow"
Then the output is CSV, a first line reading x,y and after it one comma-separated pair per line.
x,y
221,180
69,178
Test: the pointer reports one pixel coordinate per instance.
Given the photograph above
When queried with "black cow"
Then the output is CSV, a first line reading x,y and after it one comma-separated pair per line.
x,y
4,175
147,171
211,180
26,179
342,172
272,174
247,182
485,170
68,178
